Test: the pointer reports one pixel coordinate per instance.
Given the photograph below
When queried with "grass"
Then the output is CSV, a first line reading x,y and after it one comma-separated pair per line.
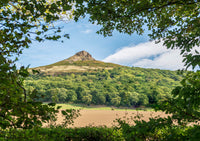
x,y
83,63
86,63
91,66
101,107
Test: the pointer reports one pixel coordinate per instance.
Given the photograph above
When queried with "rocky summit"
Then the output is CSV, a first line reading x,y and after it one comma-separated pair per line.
x,y
80,56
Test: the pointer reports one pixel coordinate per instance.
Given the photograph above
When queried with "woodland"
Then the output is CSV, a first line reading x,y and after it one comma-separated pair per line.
x,y
121,86
175,22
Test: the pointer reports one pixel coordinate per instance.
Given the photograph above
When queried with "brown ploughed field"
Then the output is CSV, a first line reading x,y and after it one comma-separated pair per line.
x,y
106,117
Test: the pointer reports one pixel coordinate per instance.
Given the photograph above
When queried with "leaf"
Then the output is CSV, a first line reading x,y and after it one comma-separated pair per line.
x,y
52,104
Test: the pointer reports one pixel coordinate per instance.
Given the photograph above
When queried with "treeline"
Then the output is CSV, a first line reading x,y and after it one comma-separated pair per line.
x,y
123,86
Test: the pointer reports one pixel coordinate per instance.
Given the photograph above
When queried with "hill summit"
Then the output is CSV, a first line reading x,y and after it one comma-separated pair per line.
x,y
80,62
80,56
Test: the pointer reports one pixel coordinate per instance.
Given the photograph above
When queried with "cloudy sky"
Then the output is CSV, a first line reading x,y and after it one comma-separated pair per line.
x,y
122,49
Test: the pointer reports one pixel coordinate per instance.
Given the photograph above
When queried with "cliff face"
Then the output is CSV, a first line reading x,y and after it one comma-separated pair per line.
x,y
80,56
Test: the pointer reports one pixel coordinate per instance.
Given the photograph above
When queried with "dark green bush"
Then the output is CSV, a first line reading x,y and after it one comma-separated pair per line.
x,y
155,130
63,134
160,129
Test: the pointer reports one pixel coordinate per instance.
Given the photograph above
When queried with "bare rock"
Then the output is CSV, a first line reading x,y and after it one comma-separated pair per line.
x,y
80,56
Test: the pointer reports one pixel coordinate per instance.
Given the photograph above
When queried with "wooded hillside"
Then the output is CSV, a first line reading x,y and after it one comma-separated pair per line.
x,y
122,86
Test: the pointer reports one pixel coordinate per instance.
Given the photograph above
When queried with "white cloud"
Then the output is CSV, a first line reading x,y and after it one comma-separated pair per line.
x,y
169,60
87,31
148,55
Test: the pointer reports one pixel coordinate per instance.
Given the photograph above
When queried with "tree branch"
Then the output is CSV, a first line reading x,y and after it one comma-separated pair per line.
x,y
25,94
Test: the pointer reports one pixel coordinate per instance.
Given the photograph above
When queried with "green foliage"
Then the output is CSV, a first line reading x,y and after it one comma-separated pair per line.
x,y
156,129
63,134
159,129
69,116
21,22
123,86
185,103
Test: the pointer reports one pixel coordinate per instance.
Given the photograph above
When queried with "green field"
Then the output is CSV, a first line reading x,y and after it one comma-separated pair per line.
x,y
100,107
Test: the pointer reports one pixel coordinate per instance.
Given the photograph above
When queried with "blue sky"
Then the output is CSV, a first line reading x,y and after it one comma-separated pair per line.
x,y
121,48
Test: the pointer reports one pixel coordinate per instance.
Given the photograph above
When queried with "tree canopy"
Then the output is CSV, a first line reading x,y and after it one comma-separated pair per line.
x,y
122,86
21,22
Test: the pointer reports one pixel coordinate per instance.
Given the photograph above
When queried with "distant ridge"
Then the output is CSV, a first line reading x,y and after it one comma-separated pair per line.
x,y
80,62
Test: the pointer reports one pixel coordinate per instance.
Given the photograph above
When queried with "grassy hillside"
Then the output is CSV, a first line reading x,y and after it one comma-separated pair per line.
x,y
64,66
120,86
93,63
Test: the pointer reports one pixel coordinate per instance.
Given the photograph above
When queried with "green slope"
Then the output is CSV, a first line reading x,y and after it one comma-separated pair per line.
x,y
65,66
94,63
120,86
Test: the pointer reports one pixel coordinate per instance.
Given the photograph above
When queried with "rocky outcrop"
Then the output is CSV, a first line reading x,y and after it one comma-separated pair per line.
x,y
80,56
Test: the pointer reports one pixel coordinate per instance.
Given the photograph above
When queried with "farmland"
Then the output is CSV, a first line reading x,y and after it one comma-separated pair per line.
x,y
106,116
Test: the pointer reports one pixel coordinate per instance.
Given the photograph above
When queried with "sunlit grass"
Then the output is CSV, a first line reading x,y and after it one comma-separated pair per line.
x,y
100,107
